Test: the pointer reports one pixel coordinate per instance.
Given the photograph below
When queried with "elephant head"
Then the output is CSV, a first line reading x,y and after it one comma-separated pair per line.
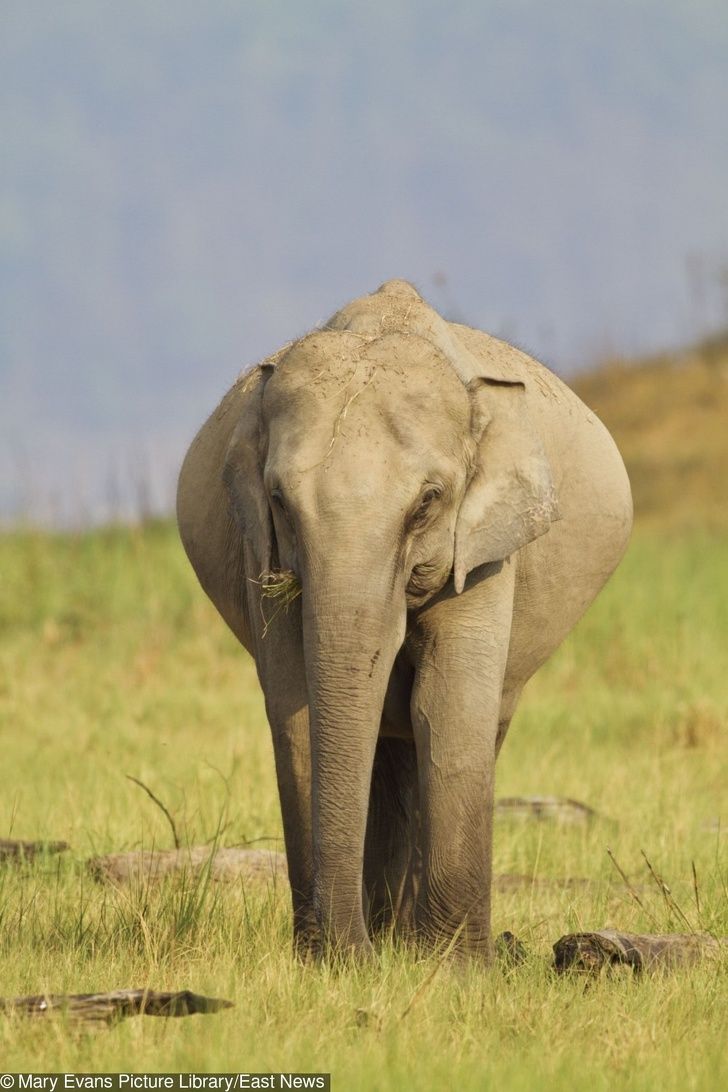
x,y
376,459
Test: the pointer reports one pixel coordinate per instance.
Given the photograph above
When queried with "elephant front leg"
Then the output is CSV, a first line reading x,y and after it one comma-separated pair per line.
x,y
293,771
462,646
279,660
457,818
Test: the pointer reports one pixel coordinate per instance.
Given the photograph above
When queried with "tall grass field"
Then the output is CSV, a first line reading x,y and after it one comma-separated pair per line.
x,y
114,665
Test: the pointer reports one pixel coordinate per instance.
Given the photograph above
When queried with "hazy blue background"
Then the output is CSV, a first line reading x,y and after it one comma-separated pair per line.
x,y
187,185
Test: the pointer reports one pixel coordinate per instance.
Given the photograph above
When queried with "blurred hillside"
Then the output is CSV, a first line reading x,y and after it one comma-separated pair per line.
x,y
669,416
187,186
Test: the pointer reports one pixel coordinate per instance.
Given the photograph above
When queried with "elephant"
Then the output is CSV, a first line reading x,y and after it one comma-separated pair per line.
x,y
434,510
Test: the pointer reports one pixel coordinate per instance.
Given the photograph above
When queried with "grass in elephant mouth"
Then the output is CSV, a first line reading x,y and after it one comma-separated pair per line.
x,y
283,587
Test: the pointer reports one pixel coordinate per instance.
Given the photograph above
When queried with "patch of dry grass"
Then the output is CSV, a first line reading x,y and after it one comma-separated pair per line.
x,y
669,416
113,663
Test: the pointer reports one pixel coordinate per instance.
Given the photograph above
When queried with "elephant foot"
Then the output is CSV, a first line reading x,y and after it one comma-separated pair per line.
x,y
463,942
307,949
345,946
307,940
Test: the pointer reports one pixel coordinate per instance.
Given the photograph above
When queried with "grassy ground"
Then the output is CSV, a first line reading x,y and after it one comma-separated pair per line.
x,y
112,663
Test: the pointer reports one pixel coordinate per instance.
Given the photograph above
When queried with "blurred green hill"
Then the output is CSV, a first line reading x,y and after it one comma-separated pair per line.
x,y
669,416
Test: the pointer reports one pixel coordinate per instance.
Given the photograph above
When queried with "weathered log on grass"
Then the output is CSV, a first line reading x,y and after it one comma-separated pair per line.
x,y
609,948
225,865
260,866
12,850
556,808
108,1008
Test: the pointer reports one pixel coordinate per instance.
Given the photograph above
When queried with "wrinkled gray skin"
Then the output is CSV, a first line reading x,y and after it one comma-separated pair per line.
x,y
450,509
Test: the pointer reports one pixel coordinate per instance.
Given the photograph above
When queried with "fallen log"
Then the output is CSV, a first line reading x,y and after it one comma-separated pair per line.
x,y
261,866
258,866
225,865
108,1008
12,850
609,947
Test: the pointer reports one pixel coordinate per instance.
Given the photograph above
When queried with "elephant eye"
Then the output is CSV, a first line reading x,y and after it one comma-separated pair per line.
x,y
426,501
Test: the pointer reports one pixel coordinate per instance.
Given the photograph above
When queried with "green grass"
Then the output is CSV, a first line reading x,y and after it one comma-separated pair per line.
x,y
113,663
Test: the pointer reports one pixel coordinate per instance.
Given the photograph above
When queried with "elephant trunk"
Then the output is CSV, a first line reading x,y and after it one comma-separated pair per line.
x,y
351,638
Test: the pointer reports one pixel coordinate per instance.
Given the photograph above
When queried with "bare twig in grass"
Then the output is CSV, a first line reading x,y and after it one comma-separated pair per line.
x,y
13,814
630,888
531,930
670,901
225,778
695,888
160,805
253,841
218,834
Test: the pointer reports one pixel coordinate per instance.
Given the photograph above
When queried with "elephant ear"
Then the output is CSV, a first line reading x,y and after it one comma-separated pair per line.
x,y
242,472
510,499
